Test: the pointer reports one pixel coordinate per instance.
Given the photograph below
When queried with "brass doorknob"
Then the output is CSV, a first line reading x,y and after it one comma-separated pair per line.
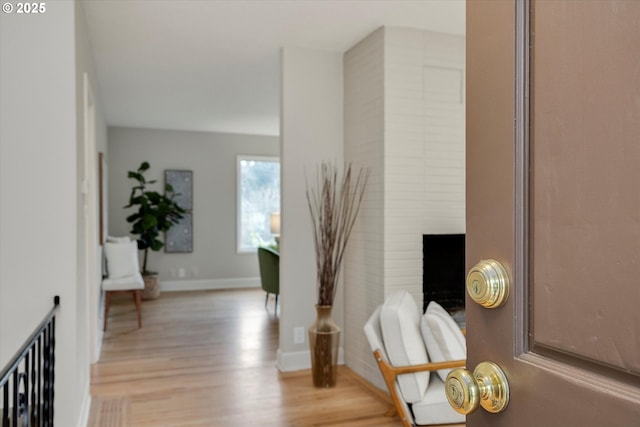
x,y
486,387
488,283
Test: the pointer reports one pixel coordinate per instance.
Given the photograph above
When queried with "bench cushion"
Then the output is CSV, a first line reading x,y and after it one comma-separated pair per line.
x,y
123,283
434,407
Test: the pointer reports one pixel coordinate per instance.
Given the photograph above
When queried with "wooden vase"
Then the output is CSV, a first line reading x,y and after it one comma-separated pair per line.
x,y
324,340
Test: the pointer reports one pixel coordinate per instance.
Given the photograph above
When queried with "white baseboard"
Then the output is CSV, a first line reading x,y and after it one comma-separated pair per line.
x,y
98,344
83,420
209,284
300,360
294,361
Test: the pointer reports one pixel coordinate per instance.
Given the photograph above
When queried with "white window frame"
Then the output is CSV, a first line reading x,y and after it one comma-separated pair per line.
x,y
239,159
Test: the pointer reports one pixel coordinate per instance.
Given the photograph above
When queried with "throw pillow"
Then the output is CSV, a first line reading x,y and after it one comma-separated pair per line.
x,y
114,239
122,259
442,336
400,324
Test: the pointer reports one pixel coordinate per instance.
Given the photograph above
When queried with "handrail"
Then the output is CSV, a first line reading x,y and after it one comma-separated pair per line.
x,y
24,349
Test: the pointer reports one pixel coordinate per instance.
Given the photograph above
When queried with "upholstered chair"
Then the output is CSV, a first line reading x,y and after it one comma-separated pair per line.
x,y
123,274
414,353
269,262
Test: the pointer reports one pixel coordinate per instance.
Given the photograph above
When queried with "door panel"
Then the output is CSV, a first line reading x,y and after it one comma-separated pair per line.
x,y
585,180
559,206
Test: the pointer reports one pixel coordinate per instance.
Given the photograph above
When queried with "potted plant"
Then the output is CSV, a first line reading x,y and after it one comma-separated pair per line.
x,y
155,213
334,202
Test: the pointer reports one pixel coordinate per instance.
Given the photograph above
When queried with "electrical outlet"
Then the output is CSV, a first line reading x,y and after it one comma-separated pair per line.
x,y
298,335
181,273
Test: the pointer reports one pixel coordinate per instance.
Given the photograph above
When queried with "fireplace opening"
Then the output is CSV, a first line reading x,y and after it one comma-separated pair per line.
x,y
443,271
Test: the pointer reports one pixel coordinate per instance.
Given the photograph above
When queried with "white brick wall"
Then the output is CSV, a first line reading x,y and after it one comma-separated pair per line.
x,y
364,131
404,119
444,133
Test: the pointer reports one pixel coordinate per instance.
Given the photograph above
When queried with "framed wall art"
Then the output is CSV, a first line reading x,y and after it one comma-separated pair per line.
x,y
182,183
179,238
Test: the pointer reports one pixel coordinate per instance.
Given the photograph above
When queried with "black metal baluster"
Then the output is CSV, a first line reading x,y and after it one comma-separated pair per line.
x,y
25,409
5,405
53,365
32,408
56,302
40,374
45,380
14,398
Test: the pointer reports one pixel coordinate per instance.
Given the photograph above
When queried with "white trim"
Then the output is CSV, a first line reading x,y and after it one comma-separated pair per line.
x,y
83,420
294,361
98,345
90,222
209,284
300,360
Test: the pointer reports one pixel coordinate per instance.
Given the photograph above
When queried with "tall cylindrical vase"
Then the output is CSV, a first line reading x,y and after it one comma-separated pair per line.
x,y
324,340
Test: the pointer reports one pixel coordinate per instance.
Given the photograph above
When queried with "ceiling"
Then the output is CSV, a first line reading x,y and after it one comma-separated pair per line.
x,y
213,65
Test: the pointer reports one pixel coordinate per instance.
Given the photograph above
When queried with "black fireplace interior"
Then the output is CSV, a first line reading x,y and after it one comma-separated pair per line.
x,y
443,270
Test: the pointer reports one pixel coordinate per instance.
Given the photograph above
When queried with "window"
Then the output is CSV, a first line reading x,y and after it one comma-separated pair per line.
x,y
258,198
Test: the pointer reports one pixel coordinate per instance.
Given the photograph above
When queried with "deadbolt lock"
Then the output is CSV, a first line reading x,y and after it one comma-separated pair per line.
x,y
487,386
488,283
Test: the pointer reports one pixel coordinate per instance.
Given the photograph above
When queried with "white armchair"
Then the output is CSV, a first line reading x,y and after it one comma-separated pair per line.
x,y
397,334
123,274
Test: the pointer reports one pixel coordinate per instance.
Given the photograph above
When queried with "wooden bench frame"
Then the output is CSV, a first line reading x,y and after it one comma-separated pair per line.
x,y
390,374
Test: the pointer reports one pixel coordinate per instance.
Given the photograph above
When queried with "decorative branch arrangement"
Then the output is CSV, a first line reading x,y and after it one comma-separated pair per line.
x,y
334,202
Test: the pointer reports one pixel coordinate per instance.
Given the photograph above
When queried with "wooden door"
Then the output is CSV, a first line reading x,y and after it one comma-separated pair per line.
x,y
553,193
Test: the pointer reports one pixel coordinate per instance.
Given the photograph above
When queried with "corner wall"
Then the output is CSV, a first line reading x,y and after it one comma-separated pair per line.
x,y
311,129
415,80
364,131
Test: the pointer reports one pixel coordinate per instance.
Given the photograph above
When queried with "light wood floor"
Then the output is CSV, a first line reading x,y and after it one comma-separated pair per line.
x,y
208,359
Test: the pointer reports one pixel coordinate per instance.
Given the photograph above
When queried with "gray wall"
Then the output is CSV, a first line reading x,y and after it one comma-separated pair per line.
x,y
214,262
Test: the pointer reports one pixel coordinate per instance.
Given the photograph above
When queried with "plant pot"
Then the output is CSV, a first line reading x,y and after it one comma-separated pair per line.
x,y
151,286
324,340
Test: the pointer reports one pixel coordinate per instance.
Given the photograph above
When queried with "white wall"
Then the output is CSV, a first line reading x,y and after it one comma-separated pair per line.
x,y
38,176
416,78
214,262
311,131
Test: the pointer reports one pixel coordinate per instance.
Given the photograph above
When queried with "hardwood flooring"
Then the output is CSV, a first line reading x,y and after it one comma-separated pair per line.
x,y
209,359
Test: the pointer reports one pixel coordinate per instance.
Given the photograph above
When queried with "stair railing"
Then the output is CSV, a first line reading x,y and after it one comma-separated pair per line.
x,y
27,382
